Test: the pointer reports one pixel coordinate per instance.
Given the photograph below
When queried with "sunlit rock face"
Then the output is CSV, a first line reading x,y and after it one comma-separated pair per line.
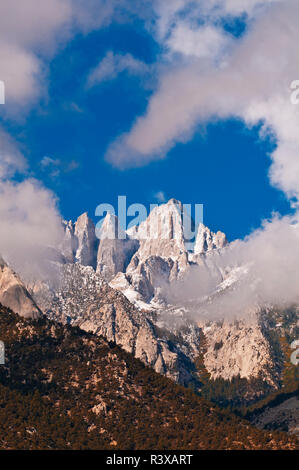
x,y
14,295
85,235
208,241
115,248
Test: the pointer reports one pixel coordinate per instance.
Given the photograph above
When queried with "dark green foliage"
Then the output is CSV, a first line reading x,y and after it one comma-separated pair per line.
x,y
235,393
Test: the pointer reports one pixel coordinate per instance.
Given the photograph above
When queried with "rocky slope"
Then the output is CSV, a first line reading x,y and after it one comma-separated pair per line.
x,y
63,388
13,293
239,348
136,311
83,298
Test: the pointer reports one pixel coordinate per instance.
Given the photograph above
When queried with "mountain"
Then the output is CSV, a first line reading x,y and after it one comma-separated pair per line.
x,y
177,339
207,241
63,388
79,244
85,234
124,287
115,248
13,293
162,232
81,297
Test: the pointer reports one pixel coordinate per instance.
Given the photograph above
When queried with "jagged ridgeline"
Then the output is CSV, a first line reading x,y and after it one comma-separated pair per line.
x,y
114,289
62,388
118,288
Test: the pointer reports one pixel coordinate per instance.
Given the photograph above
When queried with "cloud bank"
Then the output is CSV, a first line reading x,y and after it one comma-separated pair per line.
x,y
261,270
30,220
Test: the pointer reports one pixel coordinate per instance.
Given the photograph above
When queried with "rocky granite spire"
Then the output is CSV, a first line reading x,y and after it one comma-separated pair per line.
x,y
114,253
85,235
162,235
70,243
208,241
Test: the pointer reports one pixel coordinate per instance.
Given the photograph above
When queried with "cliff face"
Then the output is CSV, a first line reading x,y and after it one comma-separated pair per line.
x,y
114,252
13,293
239,349
80,243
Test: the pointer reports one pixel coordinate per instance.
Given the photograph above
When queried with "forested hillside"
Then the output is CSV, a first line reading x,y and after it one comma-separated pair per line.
x,y
65,388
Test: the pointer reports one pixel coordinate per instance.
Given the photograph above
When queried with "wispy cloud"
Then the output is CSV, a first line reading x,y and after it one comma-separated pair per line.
x,y
160,196
114,64
55,166
47,162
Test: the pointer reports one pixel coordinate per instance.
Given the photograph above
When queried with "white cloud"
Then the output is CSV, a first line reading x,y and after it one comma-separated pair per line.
x,y
236,7
11,159
21,72
31,32
114,64
54,167
248,84
49,162
202,42
30,220
169,16
28,29
268,273
30,223
33,24
160,196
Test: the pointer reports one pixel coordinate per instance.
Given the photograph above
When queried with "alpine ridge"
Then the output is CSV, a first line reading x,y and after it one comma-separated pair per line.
x,y
119,288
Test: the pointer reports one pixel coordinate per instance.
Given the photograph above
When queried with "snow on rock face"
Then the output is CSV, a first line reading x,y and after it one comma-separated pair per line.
x,y
162,234
14,295
85,234
139,268
149,276
138,264
114,252
208,241
82,298
162,255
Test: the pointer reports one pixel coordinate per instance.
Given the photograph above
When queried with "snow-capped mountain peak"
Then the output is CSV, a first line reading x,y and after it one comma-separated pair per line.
x,y
208,241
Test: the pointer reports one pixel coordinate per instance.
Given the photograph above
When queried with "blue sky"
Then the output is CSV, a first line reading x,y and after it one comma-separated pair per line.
x,y
223,164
